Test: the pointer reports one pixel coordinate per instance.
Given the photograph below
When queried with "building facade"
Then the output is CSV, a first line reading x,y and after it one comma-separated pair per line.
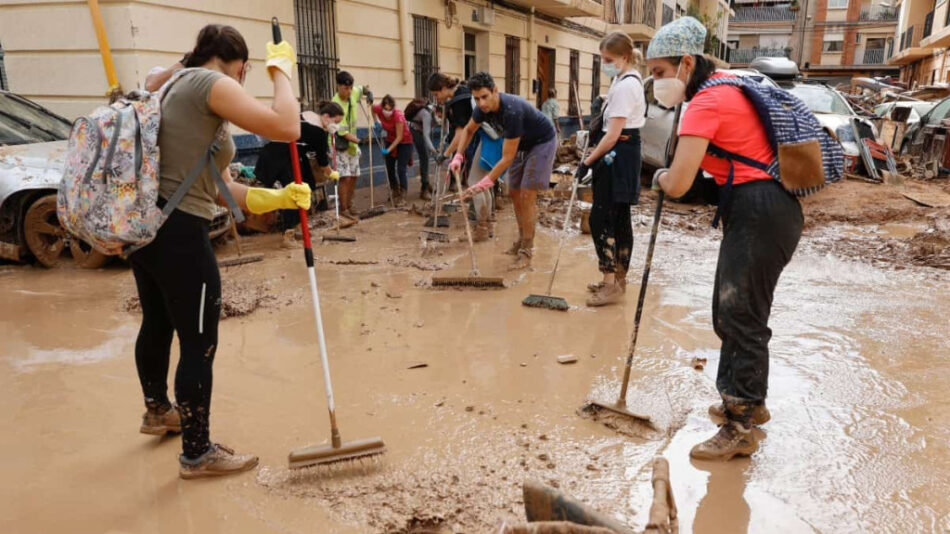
x,y
51,53
830,40
922,37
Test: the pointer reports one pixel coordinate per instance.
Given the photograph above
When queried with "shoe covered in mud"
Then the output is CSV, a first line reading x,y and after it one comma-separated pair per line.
x,y
160,422
514,248
217,461
481,233
760,414
733,439
609,294
424,194
350,214
523,261
594,287
289,241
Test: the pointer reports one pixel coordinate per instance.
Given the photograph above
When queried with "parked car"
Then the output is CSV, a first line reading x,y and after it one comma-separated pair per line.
x,y
938,113
917,109
32,148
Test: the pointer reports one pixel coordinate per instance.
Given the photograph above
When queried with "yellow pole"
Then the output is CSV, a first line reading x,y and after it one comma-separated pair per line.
x,y
114,89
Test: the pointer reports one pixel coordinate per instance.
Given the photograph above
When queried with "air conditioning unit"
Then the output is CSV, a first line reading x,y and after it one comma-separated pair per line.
x,y
483,15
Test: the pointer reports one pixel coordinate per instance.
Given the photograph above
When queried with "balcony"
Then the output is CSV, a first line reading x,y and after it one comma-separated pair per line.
x,y
879,14
872,56
565,8
910,49
636,18
928,25
763,14
744,56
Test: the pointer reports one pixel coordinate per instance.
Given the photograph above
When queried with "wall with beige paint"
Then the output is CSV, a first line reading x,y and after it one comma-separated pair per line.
x,y
52,55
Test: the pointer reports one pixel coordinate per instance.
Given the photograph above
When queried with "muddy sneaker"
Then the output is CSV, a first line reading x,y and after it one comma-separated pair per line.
x,y
594,287
514,248
523,261
159,423
733,439
609,294
217,461
481,233
289,241
760,414
424,194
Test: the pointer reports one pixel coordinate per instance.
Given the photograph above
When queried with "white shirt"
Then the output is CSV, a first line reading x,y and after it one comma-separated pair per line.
x,y
625,99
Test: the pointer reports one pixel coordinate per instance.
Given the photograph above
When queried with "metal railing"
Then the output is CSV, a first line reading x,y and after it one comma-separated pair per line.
x,y
746,55
873,56
910,38
667,14
763,14
630,12
928,25
425,52
317,59
879,14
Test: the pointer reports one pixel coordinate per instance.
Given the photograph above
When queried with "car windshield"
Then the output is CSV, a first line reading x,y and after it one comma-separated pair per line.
x,y
821,99
22,122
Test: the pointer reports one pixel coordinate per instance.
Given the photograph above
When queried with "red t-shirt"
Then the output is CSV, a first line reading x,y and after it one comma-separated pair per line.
x,y
728,119
390,125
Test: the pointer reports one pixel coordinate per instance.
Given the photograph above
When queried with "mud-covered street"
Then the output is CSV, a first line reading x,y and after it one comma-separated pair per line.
x,y
465,387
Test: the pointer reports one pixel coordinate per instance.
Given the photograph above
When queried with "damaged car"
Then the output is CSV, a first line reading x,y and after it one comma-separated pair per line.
x,y
32,150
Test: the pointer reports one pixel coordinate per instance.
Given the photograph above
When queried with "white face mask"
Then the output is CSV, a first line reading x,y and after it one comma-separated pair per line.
x,y
388,113
333,127
670,91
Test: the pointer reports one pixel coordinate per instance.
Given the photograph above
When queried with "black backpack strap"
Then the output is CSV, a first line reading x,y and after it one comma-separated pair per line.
x,y
206,161
731,157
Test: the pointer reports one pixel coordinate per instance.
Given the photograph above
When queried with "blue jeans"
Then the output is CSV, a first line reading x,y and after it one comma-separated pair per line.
x,y
397,164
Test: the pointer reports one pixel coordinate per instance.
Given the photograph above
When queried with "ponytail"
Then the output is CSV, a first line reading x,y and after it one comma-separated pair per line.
x,y
439,81
217,41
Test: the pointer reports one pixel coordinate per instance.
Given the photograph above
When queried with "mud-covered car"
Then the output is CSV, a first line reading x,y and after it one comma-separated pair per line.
x,y
32,148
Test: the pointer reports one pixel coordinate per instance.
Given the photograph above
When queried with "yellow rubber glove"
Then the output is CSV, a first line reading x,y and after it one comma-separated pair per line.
x,y
281,56
334,175
261,200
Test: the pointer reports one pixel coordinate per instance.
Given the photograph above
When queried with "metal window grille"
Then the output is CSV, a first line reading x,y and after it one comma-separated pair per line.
x,y
668,14
3,72
575,66
425,51
512,65
595,79
317,58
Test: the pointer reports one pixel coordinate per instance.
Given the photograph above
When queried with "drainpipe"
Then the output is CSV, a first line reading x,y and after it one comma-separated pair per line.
x,y
404,48
115,90
532,53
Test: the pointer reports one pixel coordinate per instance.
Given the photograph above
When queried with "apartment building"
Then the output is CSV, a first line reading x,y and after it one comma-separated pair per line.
x,y
50,51
922,38
831,40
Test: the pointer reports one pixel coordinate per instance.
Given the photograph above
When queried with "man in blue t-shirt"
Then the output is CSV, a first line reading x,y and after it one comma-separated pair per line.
x,y
529,148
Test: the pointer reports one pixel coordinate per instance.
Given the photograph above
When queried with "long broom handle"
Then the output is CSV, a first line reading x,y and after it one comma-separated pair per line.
x,y
311,273
369,119
372,193
468,227
440,182
674,138
570,205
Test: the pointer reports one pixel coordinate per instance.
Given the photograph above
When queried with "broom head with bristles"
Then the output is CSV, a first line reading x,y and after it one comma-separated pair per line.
x,y
468,281
328,454
546,301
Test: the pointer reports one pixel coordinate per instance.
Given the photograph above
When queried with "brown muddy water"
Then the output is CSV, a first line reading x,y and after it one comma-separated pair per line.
x,y
858,392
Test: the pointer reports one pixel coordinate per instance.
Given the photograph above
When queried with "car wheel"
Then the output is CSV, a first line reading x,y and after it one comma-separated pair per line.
x,y
46,239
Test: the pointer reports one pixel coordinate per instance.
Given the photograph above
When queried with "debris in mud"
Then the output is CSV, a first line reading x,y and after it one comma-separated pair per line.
x,y
420,365
353,262
698,363
566,359
238,298
415,263
393,295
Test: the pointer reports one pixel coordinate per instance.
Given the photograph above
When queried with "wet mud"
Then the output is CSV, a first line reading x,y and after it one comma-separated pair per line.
x,y
466,390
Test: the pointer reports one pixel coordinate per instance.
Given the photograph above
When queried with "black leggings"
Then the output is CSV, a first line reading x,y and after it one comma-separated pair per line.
x,y
180,290
762,226
422,151
610,228
396,165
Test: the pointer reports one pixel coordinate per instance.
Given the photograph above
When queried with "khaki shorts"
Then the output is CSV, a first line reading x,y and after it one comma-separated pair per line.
x,y
348,165
532,169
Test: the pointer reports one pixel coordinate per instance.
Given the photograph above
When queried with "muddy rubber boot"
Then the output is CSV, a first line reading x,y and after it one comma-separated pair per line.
x,y
290,240
481,233
523,261
760,414
514,248
594,287
733,439
609,294
424,193
161,422
217,461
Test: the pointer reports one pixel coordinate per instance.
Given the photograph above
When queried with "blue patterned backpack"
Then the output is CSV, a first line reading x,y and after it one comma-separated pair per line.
x,y
806,157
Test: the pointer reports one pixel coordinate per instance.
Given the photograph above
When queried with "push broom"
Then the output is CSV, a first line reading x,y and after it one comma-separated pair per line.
x,y
547,300
620,406
336,236
473,279
337,450
434,234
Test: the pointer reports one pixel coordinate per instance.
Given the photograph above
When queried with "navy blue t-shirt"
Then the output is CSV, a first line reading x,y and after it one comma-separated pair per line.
x,y
516,118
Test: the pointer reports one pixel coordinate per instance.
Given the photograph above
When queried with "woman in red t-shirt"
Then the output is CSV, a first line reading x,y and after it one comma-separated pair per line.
x,y
398,151
762,224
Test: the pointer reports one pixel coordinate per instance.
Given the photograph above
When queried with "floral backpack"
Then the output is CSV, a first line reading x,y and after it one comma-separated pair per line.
x,y
109,193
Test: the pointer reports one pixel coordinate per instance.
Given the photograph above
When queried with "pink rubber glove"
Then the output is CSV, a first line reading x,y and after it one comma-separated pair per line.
x,y
456,164
483,185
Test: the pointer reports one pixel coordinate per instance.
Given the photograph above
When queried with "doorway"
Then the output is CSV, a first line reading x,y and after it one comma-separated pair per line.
x,y
545,73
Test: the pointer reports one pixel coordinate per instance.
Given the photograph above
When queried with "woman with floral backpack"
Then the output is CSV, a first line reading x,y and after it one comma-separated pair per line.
x,y
176,275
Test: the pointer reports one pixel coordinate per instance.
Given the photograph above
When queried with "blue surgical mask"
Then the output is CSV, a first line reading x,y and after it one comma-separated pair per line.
x,y
610,69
